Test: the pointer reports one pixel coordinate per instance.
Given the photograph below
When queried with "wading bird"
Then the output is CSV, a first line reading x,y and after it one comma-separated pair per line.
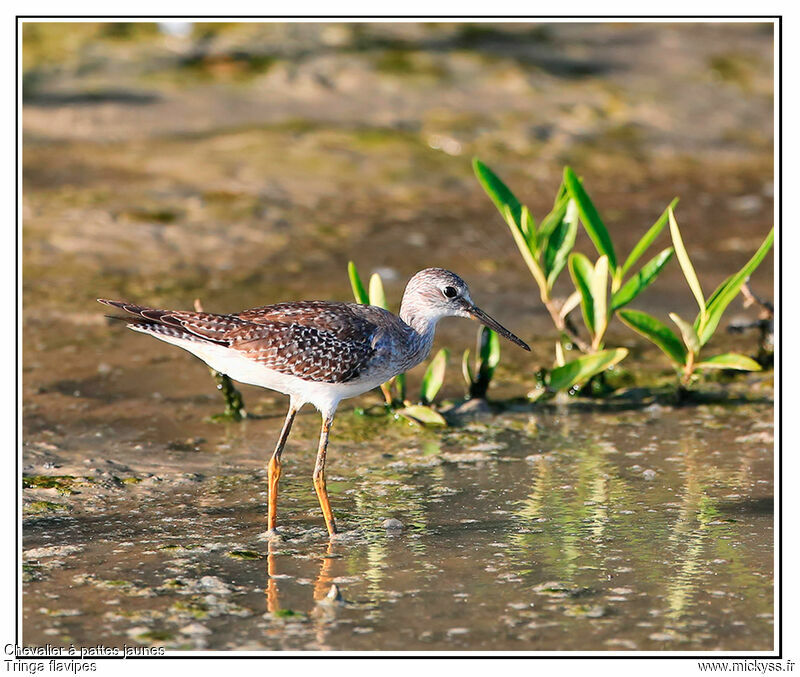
x,y
317,352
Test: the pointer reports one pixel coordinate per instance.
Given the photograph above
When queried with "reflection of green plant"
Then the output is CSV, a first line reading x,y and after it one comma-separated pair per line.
x,y
394,390
684,354
487,357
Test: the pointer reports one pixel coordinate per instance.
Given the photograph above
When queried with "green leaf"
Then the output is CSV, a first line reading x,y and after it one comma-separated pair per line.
x,y
639,282
400,387
582,273
724,294
686,264
729,361
421,415
690,339
377,297
466,370
591,219
561,193
489,343
528,226
499,193
599,290
488,352
434,376
560,361
583,368
359,292
657,332
525,249
572,300
560,243
552,220
714,296
648,238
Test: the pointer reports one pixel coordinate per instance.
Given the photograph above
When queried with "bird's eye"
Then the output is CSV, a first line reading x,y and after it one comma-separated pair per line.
x,y
450,292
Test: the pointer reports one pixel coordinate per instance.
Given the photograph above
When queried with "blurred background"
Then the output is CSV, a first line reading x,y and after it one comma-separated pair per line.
x,y
246,163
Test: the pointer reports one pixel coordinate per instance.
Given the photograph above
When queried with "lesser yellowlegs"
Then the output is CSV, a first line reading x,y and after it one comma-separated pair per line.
x,y
317,352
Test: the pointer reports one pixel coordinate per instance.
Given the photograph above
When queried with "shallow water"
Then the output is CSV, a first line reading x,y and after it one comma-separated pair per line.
x,y
639,528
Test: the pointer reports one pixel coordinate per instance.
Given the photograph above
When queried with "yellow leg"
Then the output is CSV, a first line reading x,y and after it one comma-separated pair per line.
x,y
319,476
274,469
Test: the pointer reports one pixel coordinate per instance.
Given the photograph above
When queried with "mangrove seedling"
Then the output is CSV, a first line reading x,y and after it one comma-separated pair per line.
x,y
568,376
684,352
545,247
592,281
394,390
487,357
234,402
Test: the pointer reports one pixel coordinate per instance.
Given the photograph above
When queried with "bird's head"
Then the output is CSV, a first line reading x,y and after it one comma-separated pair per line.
x,y
435,293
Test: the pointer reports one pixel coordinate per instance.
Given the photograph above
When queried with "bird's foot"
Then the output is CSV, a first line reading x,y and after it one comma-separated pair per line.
x,y
272,535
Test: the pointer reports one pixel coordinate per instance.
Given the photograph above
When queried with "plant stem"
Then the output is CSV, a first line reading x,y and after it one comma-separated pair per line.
x,y
565,325
234,403
764,324
688,369
767,310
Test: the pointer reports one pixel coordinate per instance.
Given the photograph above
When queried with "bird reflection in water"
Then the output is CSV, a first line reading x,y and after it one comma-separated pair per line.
x,y
324,588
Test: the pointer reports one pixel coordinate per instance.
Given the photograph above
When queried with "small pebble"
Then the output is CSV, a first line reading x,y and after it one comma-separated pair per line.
x,y
457,631
392,524
662,637
212,584
596,612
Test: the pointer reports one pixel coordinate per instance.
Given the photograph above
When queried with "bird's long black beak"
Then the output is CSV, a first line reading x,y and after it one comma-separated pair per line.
x,y
490,322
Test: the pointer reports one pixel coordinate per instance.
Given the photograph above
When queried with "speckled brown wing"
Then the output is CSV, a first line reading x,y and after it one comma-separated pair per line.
x,y
345,320
303,351
314,340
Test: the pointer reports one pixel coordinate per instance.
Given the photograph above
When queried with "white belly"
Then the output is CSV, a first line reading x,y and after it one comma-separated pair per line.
x,y
324,396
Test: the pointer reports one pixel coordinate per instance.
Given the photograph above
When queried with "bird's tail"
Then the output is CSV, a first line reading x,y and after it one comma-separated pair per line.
x,y
180,324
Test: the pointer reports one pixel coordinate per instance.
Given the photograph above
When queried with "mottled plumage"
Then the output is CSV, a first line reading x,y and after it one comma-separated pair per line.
x,y
322,341
317,351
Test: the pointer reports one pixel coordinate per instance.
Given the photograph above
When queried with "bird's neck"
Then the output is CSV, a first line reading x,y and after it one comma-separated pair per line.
x,y
422,324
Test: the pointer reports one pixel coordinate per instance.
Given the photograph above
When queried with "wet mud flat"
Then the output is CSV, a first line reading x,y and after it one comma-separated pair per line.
x,y
572,527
